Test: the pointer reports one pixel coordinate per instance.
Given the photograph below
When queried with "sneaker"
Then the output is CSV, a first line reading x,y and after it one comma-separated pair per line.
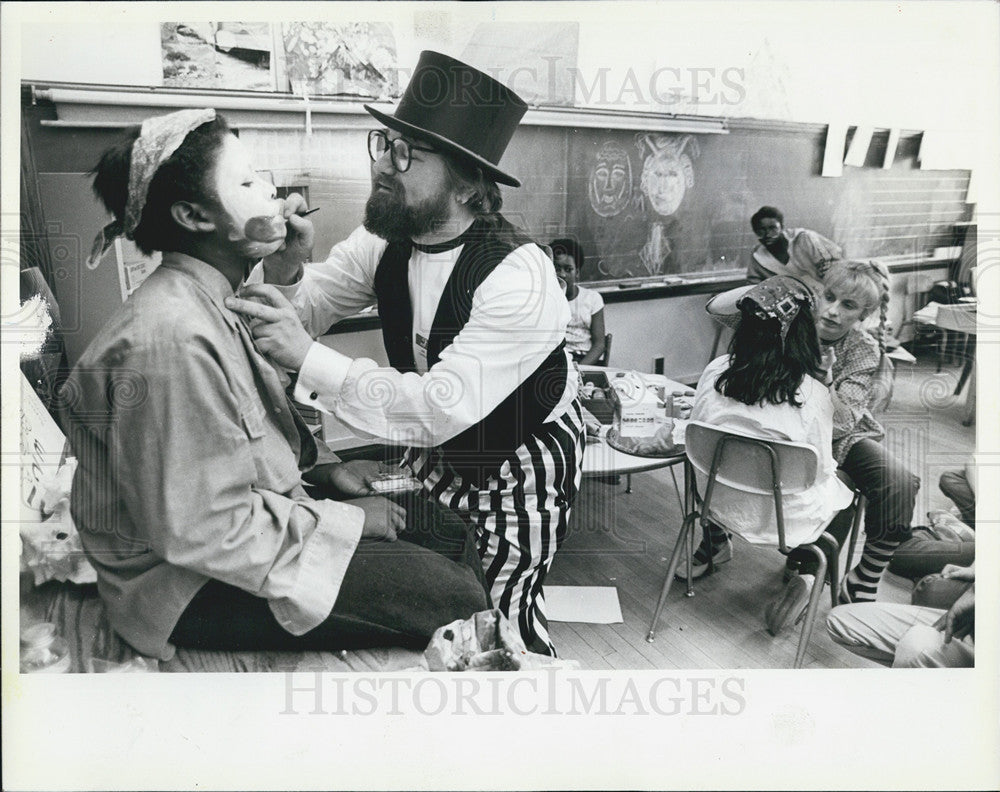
x,y
791,605
722,554
791,569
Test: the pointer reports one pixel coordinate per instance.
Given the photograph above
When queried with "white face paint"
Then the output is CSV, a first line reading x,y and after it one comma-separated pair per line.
x,y
252,218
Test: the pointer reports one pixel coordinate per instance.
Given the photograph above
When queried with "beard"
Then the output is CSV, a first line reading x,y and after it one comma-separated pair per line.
x,y
779,248
388,216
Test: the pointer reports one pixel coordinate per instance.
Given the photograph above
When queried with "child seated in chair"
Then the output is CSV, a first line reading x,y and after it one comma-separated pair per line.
x,y
858,372
770,384
585,331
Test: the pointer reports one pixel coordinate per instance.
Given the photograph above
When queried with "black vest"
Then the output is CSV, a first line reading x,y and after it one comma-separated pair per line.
x,y
481,449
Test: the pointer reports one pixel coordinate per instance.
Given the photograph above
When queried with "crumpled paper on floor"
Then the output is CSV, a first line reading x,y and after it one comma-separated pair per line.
x,y
51,548
485,641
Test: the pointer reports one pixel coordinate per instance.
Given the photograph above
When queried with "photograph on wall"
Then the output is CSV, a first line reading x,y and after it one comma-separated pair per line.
x,y
341,59
231,55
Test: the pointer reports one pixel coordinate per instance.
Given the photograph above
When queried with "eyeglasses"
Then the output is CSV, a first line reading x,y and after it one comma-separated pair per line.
x,y
400,149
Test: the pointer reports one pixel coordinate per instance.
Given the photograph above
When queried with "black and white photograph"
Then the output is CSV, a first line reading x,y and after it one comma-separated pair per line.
x,y
381,378
232,55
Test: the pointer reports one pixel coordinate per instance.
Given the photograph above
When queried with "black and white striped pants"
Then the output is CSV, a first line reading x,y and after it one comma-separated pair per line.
x,y
520,516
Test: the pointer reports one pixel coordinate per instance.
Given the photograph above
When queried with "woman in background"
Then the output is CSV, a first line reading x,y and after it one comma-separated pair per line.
x,y
770,385
585,331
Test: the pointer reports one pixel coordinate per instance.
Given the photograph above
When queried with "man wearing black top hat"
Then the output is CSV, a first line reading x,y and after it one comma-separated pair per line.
x,y
473,320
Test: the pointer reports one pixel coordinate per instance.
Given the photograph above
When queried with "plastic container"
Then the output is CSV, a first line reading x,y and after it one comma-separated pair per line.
x,y
598,397
42,651
678,404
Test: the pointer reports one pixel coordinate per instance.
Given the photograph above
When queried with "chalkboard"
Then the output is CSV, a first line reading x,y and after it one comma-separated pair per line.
x,y
687,221
653,205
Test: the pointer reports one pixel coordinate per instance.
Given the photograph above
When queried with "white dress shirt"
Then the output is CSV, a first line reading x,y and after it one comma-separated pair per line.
x,y
519,315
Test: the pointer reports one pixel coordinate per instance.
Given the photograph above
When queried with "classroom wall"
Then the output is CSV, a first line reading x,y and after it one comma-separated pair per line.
x,y
332,165
910,65
676,328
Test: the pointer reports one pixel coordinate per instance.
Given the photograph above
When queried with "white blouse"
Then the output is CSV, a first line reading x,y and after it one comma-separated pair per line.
x,y
807,513
582,309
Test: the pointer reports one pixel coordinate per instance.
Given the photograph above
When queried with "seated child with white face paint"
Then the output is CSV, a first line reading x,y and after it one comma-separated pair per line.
x,y
189,492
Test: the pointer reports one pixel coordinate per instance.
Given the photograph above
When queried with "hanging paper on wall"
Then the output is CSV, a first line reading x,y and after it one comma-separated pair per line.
x,y
858,150
340,59
833,152
890,149
238,56
133,266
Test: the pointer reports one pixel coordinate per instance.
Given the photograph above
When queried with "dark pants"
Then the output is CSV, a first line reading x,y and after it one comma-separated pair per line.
x,y
955,484
393,594
890,489
924,555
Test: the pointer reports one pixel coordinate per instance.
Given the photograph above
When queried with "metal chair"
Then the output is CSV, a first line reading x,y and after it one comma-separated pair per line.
x,y
957,319
762,469
605,358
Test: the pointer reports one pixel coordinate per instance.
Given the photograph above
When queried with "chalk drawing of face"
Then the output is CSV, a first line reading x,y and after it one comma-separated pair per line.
x,y
610,185
667,171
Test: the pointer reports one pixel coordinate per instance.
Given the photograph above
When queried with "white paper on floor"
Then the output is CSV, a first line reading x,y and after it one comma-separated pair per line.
x,y
591,604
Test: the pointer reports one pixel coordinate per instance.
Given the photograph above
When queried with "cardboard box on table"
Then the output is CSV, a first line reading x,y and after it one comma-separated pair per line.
x,y
634,407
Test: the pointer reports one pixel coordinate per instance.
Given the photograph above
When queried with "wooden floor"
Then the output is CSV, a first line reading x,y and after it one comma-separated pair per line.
x,y
624,540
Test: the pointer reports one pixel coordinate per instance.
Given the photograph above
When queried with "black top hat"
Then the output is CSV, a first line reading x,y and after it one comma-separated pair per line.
x,y
459,110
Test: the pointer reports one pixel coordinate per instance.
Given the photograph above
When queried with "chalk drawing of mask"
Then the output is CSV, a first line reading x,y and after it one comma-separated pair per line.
x,y
610,186
667,171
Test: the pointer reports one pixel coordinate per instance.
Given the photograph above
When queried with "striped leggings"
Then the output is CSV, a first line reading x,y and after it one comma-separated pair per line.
x,y
520,517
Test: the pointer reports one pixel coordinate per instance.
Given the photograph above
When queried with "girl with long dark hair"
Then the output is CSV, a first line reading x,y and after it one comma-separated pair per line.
x,y
771,384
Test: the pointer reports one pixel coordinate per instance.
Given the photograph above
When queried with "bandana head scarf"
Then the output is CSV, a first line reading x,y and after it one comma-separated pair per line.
x,y
158,139
781,298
